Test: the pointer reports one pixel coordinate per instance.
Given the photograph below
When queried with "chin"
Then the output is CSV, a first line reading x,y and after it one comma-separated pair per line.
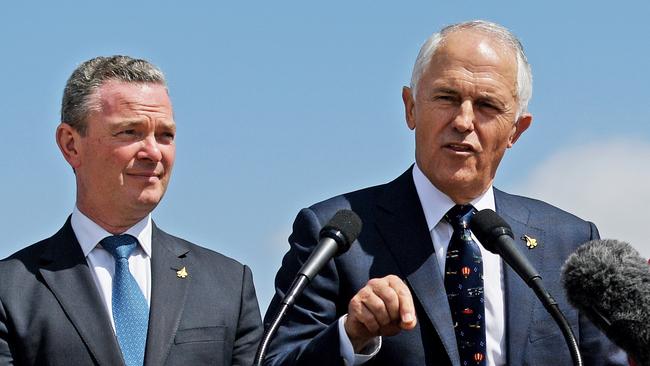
x,y
457,176
463,187
149,198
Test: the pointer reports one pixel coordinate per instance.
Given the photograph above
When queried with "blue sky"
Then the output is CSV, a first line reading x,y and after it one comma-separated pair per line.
x,y
282,104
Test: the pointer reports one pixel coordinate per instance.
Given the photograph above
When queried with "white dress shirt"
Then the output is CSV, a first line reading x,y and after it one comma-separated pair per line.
x,y
102,263
435,205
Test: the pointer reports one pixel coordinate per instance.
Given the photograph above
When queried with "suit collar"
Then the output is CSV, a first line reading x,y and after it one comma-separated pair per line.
x,y
66,273
401,223
168,293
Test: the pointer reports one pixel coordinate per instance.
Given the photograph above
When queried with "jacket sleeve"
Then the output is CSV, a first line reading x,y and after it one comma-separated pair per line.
x,y
6,357
249,327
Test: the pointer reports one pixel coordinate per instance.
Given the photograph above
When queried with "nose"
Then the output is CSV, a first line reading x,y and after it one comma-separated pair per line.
x,y
150,149
464,119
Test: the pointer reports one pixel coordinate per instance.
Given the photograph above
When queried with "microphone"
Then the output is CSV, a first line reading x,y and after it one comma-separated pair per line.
x,y
610,283
495,235
334,239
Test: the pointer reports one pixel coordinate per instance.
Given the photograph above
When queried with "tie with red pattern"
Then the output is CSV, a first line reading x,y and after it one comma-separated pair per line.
x,y
464,285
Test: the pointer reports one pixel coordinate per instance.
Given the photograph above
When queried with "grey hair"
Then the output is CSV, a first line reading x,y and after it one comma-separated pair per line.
x,y
524,73
86,79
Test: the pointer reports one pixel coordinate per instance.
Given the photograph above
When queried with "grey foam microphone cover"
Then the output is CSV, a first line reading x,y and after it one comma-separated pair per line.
x,y
610,282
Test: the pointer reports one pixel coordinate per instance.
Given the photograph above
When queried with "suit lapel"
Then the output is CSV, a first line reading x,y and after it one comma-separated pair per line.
x,y
519,298
402,224
66,273
168,293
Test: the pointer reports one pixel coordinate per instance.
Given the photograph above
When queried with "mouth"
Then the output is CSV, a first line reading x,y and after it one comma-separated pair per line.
x,y
146,175
459,147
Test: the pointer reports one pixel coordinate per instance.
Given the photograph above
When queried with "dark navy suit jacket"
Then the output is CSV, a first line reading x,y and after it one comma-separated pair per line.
x,y
395,240
51,312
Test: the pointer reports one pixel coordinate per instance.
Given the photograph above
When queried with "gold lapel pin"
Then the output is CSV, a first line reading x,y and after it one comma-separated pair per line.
x,y
181,273
531,243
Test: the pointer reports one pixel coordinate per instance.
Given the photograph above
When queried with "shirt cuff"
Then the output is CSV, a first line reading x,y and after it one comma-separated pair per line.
x,y
347,352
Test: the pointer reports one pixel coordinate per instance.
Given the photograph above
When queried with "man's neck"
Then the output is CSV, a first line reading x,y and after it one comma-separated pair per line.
x,y
114,225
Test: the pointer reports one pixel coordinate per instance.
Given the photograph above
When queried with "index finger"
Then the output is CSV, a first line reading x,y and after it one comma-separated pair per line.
x,y
406,307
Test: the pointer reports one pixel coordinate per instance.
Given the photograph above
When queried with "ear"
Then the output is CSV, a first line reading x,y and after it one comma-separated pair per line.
x,y
520,126
69,141
409,107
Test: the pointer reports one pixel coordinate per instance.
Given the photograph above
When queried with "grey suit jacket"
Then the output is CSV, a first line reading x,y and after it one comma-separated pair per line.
x,y
51,312
395,240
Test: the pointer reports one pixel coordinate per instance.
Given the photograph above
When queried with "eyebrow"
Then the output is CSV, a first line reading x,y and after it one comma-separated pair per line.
x,y
137,122
492,97
128,123
446,90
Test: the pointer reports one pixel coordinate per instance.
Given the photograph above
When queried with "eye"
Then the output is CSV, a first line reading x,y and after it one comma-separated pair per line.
x,y
447,98
166,137
484,104
127,133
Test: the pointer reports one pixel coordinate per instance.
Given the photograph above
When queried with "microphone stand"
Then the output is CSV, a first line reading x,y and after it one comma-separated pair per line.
x,y
289,299
552,307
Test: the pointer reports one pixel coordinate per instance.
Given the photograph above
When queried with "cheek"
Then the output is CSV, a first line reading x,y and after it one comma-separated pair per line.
x,y
121,158
496,136
430,129
168,155
436,114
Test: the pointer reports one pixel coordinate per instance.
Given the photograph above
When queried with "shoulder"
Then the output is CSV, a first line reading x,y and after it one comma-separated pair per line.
x,y
207,259
537,208
539,214
364,202
361,201
32,257
20,272
25,258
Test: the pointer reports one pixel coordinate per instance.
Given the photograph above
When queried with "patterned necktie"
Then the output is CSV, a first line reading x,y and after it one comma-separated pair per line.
x,y
464,285
130,308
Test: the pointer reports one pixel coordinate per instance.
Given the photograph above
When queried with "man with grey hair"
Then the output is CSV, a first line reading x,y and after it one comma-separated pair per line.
x,y
111,288
416,288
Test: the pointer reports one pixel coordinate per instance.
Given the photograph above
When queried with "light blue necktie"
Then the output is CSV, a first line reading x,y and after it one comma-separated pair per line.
x,y
130,308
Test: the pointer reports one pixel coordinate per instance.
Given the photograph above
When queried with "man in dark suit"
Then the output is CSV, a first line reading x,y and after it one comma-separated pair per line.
x,y
402,295
111,288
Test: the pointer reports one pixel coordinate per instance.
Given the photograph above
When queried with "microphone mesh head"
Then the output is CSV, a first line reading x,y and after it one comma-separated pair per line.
x,y
344,223
487,226
609,282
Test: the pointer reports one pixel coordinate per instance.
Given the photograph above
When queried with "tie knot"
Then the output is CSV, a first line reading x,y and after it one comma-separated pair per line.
x,y
458,216
120,246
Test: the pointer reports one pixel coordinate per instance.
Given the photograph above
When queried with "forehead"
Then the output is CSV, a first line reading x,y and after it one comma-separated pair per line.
x,y
476,55
118,97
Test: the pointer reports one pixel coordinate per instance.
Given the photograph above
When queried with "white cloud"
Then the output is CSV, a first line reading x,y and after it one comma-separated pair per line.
x,y
606,182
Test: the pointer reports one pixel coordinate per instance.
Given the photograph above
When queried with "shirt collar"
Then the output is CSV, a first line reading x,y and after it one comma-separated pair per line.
x,y
435,204
89,234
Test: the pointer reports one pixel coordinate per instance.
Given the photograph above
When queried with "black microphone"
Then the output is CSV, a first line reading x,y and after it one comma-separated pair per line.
x,y
610,283
335,239
495,235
